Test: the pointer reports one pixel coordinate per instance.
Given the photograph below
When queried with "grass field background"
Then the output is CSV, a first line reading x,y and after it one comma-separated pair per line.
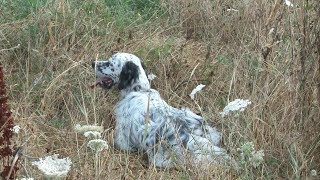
x,y
264,51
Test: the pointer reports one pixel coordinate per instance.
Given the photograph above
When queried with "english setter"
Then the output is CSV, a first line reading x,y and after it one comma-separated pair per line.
x,y
144,121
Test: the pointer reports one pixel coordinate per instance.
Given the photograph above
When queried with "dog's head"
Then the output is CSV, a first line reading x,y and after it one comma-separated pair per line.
x,y
122,69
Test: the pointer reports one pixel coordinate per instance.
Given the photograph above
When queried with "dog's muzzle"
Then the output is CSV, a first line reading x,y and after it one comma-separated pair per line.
x,y
104,82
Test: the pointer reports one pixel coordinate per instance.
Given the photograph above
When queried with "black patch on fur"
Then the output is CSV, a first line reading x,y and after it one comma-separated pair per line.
x,y
107,64
128,75
144,68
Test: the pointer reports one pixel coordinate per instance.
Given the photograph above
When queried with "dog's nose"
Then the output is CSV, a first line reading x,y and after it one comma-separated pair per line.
x,y
93,64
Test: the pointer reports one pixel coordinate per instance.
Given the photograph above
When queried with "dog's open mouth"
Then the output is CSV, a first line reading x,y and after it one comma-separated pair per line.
x,y
104,82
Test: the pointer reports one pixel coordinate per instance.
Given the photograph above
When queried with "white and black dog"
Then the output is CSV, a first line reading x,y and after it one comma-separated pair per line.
x,y
145,122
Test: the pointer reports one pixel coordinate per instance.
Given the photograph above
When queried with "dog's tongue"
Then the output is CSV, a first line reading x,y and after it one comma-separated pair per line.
x,y
103,81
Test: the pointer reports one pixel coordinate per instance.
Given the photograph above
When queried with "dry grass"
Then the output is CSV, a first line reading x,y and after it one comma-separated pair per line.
x,y
233,52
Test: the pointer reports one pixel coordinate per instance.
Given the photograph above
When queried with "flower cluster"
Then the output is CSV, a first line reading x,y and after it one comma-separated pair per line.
x,y
196,90
86,128
288,3
236,105
313,172
93,133
53,167
151,76
97,145
16,129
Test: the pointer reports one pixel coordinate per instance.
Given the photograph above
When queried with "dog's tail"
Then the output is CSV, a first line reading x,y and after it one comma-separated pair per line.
x,y
204,152
197,126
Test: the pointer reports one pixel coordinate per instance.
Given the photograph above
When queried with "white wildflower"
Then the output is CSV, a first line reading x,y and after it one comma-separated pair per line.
x,y
231,9
238,104
82,129
313,172
16,129
196,90
97,145
26,179
288,3
53,167
151,76
92,134
271,31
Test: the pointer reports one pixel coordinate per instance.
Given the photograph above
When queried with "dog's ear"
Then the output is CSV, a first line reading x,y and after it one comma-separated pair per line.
x,y
144,68
129,74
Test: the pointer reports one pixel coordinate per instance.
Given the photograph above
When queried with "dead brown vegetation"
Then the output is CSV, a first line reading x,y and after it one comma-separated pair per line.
x,y
265,51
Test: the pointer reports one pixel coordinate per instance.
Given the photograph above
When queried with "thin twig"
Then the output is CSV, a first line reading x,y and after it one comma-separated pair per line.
x,y
12,48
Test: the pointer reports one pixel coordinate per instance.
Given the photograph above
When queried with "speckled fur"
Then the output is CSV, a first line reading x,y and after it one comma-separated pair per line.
x,y
145,122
